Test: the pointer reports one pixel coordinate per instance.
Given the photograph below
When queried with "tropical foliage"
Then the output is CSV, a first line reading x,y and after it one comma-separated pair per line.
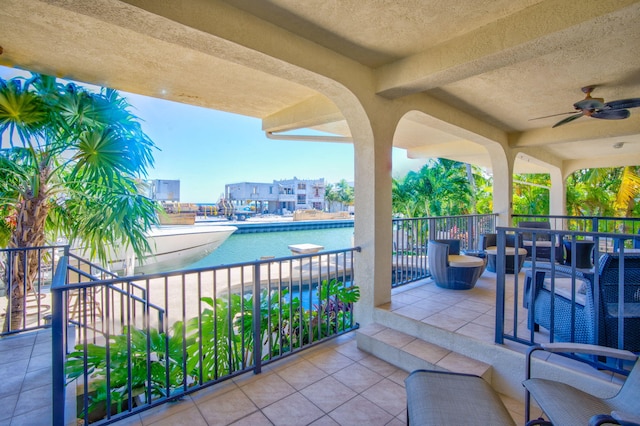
x,y
341,193
531,194
217,343
70,165
604,192
441,188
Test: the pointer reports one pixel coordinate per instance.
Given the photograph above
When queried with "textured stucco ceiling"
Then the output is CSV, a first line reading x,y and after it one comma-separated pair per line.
x,y
503,62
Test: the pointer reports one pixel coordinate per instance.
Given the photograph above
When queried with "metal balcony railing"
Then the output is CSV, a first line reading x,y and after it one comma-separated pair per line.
x,y
123,345
25,279
410,237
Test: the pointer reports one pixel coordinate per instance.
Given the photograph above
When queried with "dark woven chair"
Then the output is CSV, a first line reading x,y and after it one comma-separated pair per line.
x,y
454,245
489,241
461,273
584,315
542,242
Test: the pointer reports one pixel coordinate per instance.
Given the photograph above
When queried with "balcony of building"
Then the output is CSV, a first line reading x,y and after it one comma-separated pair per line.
x,y
357,375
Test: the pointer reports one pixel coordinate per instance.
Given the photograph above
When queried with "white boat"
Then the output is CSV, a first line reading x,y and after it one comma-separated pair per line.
x,y
172,247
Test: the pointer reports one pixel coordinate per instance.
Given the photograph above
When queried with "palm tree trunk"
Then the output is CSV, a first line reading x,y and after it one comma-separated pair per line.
x,y
29,232
472,183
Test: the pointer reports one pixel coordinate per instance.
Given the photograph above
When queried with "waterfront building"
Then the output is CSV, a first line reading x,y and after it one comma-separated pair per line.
x,y
278,197
164,190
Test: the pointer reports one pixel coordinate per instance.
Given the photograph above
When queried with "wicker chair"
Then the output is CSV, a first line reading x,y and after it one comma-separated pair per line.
x,y
453,272
542,242
489,242
584,324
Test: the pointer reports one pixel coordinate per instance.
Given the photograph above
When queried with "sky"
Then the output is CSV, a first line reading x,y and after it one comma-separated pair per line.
x,y
206,149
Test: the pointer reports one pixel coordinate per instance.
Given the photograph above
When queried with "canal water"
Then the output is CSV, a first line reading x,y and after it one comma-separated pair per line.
x,y
249,247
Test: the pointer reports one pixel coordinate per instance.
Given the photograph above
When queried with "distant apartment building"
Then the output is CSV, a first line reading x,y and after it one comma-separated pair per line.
x,y
278,197
163,190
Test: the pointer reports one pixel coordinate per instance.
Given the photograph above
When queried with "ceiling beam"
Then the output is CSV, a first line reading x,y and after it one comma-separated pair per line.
x,y
314,111
535,31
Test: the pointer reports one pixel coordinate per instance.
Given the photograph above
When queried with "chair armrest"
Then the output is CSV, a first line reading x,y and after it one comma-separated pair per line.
x,y
583,348
627,418
615,418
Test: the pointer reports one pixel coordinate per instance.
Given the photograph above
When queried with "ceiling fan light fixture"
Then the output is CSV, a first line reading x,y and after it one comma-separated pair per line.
x,y
618,145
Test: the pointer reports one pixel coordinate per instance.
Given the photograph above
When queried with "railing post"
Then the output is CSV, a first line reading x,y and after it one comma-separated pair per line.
x,y
500,285
58,343
432,228
257,343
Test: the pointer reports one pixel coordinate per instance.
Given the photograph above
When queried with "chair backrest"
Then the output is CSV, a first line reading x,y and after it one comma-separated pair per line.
x,y
609,275
627,398
454,245
488,240
535,225
491,240
437,255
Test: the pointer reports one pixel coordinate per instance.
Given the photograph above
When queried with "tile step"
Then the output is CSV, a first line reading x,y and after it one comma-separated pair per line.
x,y
412,353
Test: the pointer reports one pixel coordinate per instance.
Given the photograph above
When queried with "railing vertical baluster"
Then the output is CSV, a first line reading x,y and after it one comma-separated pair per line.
x,y
621,300
58,344
257,347
500,287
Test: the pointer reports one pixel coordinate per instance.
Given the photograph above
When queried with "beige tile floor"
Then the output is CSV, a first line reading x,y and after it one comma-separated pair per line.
x,y
470,313
332,384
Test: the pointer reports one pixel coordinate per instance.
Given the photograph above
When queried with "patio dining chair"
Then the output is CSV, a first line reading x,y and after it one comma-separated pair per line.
x,y
454,272
542,242
563,404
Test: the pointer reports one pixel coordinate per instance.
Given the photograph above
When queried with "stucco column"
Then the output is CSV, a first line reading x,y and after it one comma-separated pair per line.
x,y
557,193
373,216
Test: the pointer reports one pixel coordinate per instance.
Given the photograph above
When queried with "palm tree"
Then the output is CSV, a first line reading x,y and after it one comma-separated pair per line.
x,y
70,166
531,193
345,193
403,197
331,196
628,191
443,187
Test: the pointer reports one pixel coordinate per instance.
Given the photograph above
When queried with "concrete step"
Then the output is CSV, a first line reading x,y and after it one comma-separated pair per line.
x,y
412,353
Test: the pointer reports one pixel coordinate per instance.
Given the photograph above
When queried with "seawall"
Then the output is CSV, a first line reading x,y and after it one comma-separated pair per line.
x,y
254,227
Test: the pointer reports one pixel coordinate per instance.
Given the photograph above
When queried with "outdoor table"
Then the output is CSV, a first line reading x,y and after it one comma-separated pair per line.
x,y
510,253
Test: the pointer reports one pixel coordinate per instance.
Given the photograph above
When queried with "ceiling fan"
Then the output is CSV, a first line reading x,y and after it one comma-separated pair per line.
x,y
597,108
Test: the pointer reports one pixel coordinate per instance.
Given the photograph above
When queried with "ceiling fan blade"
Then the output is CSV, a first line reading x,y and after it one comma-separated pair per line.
x,y
568,120
622,104
589,103
612,114
552,115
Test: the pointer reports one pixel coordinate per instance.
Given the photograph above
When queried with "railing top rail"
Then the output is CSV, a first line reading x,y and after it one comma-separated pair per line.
x,y
615,235
534,216
91,264
145,277
446,217
10,249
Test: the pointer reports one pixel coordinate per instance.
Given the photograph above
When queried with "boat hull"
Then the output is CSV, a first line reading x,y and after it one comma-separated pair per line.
x,y
172,247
